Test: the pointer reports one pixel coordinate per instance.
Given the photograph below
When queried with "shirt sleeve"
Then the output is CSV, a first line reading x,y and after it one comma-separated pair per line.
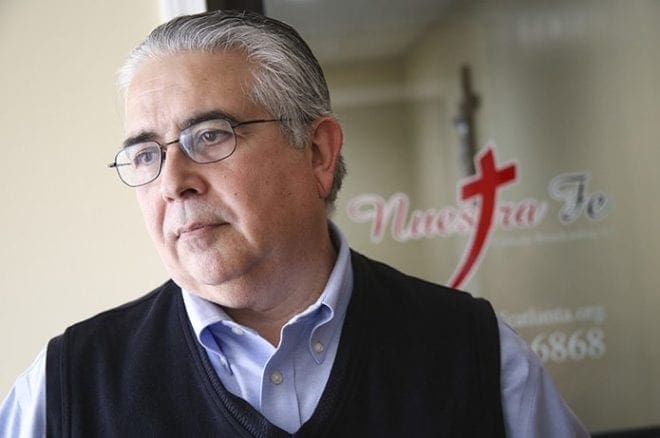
x,y
531,404
23,413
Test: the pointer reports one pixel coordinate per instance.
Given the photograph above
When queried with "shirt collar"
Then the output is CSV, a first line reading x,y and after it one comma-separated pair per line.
x,y
335,297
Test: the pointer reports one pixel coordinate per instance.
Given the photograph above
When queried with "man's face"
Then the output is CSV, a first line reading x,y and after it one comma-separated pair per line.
x,y
231,226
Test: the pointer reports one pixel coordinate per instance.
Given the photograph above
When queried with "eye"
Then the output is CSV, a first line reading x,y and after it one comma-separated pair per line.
x,y
208,141
146,157
212,137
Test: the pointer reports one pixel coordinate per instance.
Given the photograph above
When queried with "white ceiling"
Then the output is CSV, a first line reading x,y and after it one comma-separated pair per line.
x,y
343,30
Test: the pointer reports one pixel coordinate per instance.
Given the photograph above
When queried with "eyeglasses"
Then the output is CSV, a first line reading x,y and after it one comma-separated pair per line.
x,y
206,142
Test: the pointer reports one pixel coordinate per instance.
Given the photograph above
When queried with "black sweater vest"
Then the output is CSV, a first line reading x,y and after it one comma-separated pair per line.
x,y
415,359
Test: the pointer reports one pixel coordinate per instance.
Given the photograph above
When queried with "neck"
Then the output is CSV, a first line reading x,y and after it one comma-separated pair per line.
x,y
290,291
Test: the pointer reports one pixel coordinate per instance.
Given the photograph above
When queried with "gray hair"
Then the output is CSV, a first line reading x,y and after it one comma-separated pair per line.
x,y
288,81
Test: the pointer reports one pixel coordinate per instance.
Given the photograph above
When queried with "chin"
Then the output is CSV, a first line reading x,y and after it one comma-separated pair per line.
x,y
208,283
201,271
227,298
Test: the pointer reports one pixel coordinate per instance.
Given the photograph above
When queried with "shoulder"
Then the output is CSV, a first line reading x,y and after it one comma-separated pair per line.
x,y
128,315
394,304
384,283
120,326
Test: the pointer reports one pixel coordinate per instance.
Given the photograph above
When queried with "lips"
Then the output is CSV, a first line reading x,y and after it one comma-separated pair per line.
x,y
195,228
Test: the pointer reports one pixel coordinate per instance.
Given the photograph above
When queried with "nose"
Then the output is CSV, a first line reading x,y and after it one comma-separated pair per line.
x,y
180,177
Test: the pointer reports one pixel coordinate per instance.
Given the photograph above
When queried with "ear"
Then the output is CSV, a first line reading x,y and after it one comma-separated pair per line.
x,y
327,139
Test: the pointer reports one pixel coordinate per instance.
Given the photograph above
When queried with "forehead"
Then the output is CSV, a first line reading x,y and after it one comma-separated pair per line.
x,y
169,89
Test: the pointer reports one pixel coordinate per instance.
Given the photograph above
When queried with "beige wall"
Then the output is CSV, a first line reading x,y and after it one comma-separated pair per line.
x,y
71,238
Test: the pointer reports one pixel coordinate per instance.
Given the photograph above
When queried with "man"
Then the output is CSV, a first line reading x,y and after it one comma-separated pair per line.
x,y
271,325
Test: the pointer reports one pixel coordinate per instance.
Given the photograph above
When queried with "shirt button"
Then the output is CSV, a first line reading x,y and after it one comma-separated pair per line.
x,y
276,378
318,347
237,331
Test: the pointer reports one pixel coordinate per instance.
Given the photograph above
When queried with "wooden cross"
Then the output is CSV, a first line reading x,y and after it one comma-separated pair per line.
x,y
465,121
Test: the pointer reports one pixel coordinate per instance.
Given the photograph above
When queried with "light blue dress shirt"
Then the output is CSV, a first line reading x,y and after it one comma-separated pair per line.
x,y
285,383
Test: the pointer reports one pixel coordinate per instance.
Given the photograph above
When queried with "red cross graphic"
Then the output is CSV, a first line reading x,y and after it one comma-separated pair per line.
x,y
484,185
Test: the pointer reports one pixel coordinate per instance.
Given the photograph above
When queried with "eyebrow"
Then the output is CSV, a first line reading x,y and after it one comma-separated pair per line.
x,y
146,136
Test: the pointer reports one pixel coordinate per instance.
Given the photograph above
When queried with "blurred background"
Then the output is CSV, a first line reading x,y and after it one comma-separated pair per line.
x,y
566,92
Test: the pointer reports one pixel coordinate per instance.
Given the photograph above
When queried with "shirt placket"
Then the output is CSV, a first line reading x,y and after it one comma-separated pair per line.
x,y
278,383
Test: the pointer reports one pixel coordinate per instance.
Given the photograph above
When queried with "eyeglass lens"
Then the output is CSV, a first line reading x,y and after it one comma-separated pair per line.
x,y
204,142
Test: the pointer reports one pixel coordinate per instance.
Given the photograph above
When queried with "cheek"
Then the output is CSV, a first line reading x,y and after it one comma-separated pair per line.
x,y
284,198
268,188
152,213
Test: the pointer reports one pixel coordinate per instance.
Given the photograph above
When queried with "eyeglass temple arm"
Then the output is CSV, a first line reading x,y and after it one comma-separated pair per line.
x,y
111,165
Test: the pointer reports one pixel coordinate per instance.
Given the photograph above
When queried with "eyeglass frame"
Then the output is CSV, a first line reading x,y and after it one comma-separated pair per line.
x,y
163,147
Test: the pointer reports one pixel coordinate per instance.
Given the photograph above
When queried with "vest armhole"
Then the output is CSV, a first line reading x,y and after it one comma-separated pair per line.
x,y
56,406
490,369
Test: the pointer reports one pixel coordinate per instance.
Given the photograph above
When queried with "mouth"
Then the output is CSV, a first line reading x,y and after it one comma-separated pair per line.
x,y
196,229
